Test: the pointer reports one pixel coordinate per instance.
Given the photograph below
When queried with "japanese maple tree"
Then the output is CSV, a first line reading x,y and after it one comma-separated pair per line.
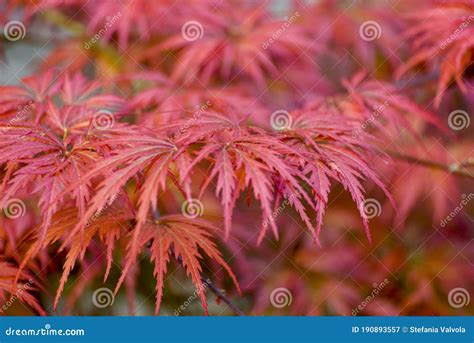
x,y
245,146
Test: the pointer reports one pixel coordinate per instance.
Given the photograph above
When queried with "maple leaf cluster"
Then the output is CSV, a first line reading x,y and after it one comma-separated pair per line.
x,y
185,132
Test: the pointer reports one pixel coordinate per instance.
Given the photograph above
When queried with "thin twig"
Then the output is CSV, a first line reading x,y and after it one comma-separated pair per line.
x,y
453,169
217,292
222,296
468,163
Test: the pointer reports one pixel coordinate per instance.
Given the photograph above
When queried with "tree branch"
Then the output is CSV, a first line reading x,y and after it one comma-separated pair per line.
x,y
217,292
222,296
453,169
